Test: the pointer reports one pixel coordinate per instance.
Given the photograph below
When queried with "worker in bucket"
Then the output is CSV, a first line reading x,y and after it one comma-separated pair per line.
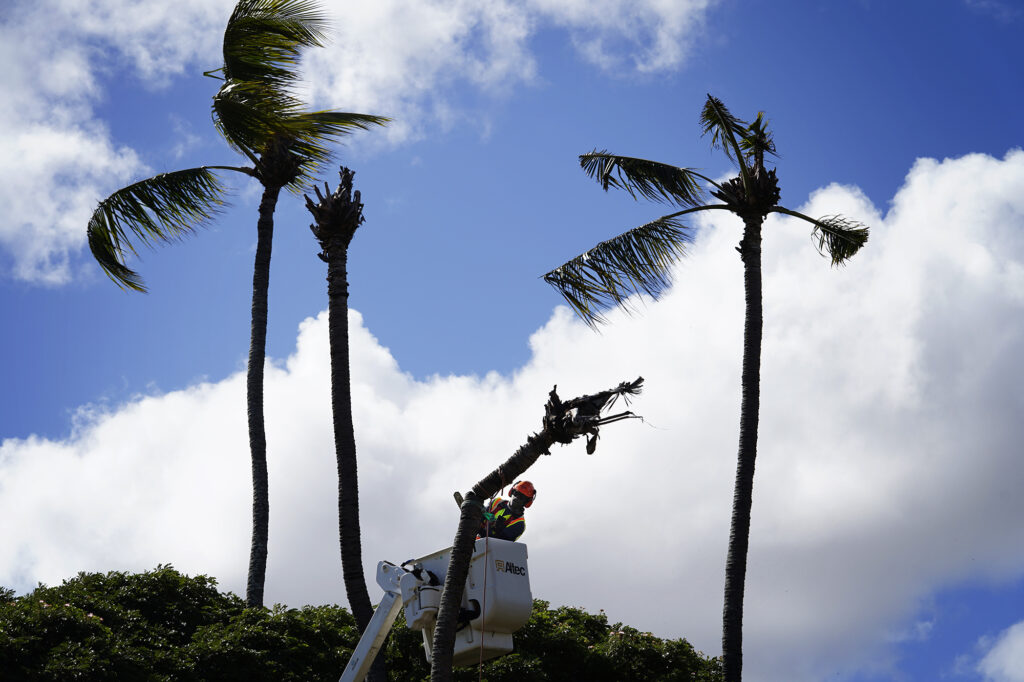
x,y
503,518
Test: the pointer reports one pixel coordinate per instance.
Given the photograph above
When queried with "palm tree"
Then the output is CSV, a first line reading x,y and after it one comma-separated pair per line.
x,y
259,117
639,261
337,216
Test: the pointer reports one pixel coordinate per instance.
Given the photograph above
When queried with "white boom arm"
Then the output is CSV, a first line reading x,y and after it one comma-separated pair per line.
x,y
388,576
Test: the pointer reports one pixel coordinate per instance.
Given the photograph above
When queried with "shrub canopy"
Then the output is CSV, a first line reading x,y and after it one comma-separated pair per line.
x,y
163,625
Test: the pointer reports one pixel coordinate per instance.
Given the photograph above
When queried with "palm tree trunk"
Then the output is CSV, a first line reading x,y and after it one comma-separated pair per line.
x,y
254,399
739,533
345,451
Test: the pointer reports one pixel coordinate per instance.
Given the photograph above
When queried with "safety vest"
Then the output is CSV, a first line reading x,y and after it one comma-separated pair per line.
x,y
504,525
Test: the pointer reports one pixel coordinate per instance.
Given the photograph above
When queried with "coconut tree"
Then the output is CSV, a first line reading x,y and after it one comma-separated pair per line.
x,y
336,217
640,260
258,115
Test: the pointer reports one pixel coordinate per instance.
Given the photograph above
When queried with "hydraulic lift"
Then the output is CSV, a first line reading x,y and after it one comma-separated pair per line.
x,y
496,602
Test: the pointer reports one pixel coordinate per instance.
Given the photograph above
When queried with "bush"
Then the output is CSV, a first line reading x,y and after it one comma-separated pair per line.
x,y
162,625
568,643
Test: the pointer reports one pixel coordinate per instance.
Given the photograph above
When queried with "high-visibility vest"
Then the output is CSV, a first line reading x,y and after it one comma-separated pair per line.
x,y
504,525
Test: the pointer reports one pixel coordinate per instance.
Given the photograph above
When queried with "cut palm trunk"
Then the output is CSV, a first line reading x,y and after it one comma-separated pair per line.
x,y
563,422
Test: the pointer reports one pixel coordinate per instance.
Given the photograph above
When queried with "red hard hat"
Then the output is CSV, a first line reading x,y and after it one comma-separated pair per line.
x,y
525,488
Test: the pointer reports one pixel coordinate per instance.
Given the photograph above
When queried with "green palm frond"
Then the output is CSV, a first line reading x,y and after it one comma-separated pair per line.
x,y
651,179
163,208
757,141
255,108
337,123
263,43
264,38
724,128
248,115
839,237
310,133
835,235
637,261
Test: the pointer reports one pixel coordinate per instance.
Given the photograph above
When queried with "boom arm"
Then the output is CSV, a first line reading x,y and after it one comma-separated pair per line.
x,y
388,576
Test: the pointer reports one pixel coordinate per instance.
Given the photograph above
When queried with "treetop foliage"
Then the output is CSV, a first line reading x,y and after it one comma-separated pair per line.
x,y
162,625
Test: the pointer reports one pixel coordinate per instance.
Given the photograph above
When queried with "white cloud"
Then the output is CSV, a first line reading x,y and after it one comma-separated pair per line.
x,y
59,160
888,450
401,58
652,35
1004,661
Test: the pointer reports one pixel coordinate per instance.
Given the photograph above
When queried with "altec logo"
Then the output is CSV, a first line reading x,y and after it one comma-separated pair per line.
x,y
509,567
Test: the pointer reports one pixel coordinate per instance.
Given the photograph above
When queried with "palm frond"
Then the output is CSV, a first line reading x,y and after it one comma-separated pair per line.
x,y
163,208
248,115
651,179
310,133
724,128
264,38
637,261
337,123
757,140
249,118
838,237
263,42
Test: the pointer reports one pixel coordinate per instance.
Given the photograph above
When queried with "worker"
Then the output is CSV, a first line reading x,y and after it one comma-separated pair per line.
x,y
507,522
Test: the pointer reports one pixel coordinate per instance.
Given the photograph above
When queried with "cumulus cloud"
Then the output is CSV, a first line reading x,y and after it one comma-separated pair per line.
x,y
888,446
401,58
1004,661
59,159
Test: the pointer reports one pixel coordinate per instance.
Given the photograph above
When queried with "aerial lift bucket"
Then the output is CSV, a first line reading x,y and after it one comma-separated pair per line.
x,y
496,600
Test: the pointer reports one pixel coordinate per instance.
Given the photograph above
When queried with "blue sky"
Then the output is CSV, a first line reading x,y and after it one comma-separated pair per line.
x,y
885,539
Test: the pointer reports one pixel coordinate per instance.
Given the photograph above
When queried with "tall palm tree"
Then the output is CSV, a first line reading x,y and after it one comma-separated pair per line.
x,y
336,217
640,260
259,117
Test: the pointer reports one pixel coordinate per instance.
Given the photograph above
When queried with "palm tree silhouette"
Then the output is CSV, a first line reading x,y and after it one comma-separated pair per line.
x,y
640,261
259,117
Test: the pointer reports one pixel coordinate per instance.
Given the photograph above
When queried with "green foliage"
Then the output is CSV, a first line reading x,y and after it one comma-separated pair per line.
x,y
640,260
162,208
162,625
311,643
256,106
568,643
257,113
649,179
725,129
264,38
635,261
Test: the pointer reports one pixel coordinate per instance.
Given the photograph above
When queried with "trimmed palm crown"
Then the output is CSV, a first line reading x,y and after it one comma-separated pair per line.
x,y
259,117
640,260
